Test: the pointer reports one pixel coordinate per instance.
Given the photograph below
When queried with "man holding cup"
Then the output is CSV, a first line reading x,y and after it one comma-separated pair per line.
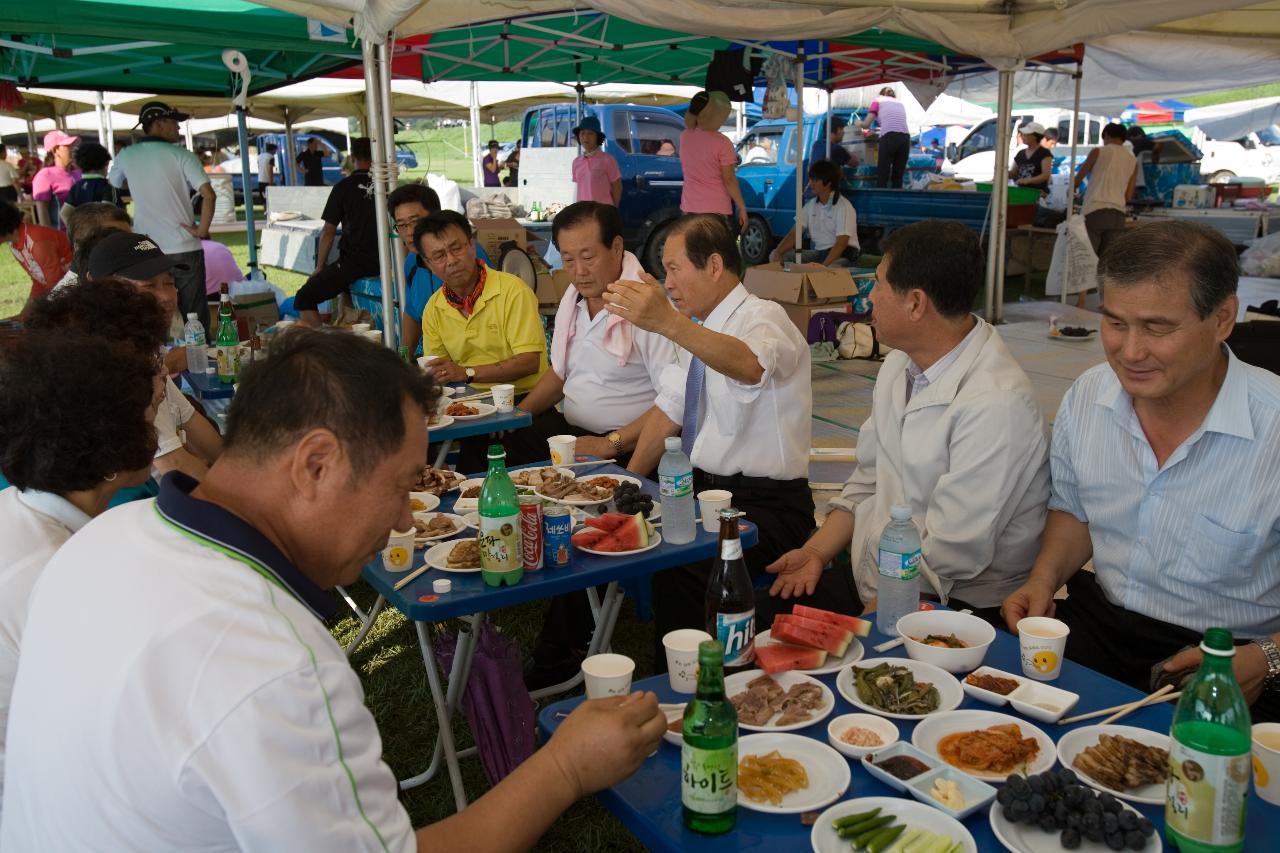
x,y
1164,475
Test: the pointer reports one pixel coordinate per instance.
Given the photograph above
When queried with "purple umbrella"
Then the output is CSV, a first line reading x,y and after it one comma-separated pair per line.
x,y
496,702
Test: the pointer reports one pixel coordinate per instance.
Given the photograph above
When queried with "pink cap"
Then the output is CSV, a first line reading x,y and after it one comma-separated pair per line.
x,y
54,138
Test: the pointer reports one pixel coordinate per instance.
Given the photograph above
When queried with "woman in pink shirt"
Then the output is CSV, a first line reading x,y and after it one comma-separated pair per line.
x,y
709,162
53,184
595,172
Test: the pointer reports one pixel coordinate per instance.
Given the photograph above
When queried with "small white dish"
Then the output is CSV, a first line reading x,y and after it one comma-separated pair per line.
x,y
673,713
977,635
437,557
823,837
975,794
439,421
887,731
827,770
459,525
737,683
427,502
990,697
1042,702
871,763
483,410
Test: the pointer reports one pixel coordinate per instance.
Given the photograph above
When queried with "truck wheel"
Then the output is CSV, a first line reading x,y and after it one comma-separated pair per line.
x,y
1222,176
757,242
652,256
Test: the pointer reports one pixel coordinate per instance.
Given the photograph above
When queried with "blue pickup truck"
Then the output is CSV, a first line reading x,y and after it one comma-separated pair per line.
x,y
332,159
645,141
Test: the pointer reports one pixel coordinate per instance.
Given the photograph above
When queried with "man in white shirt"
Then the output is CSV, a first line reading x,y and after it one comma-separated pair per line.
x,y
161,175
741,402
221,714
830,222
1165,473
955,433
266,169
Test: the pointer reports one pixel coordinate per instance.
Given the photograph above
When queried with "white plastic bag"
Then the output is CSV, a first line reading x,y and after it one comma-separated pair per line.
x,y
1073,241
448,191
776,100
1262,258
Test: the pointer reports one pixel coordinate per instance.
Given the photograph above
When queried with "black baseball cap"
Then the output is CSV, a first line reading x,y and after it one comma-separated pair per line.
x,y
130,255
154,110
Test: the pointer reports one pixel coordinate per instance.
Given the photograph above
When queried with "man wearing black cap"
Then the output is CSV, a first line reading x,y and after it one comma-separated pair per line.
x,y
161,175
350,205
187,443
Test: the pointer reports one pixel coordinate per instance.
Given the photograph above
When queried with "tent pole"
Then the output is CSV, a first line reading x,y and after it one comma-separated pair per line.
x,y
102,117
191,143
392,179
243,138
31,136
111,132
829,123
999,200
1071,179
373,130
799,153
291,150
475,137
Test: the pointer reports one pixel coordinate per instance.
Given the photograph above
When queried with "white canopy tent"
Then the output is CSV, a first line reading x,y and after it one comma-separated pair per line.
x,y
1236,119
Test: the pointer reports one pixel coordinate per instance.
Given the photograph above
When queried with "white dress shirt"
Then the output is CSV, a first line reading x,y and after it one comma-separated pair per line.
x,y
33,525
761,430
172,413
1195,542
969,455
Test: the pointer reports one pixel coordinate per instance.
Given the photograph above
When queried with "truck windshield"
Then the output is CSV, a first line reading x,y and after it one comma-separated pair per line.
x,y
760,146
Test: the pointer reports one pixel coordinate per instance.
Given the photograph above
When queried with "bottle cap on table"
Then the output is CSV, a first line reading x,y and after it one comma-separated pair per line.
x,y
442,585
210,369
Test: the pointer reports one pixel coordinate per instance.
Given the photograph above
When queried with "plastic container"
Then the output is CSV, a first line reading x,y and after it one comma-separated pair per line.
x,y
675,481
197,346
898,590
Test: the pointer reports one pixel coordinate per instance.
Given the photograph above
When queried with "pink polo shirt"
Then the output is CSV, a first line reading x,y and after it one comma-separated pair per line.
x,y
594,176
703,155
53,180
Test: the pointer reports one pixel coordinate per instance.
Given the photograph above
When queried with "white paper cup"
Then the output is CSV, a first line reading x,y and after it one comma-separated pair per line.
x,y
1042,642
710,502
607,675
504,397
398,555
372,335
682,658
426,361
361,328
1266,761
562,448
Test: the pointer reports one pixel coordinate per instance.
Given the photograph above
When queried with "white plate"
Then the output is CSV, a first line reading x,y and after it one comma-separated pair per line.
x,y
673,714
584,478
459,525
1023,838
937,726
1093,333
949,693
468,504
1078,740
990,697
429,501
827,769
441,422
472,520
654,541
483,410
852,655
737,683
438,555
824,839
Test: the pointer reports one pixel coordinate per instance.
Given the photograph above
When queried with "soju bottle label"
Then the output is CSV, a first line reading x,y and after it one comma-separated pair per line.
x,y
901,566
737,633
675,487
500,543
1205,795
709,778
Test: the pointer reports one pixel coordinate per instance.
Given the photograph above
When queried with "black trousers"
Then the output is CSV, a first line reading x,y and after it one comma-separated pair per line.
x,y
1127,645
333,280
892,159
783,512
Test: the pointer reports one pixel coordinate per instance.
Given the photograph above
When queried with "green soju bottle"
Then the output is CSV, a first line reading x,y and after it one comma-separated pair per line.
x,y
227,343
709,759
500,560
1209,756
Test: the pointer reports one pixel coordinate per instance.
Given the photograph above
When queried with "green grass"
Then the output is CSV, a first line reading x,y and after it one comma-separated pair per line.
x,y
441,150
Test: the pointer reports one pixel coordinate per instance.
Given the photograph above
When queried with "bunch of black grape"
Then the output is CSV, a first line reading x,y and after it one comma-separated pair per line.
x,y
1056,801
629,499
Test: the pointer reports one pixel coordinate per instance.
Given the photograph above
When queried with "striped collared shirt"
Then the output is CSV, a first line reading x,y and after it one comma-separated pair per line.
x,y
1196,542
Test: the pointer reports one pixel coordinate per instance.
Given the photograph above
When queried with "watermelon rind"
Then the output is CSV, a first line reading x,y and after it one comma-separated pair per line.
x,y
835,640
860,627
589,538
780,657
608,522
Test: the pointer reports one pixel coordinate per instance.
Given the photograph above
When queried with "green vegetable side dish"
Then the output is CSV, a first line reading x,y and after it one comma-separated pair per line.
x,y
876,833
894,689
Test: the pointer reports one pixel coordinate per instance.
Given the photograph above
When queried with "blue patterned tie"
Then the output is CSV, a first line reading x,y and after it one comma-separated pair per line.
x,y
692,404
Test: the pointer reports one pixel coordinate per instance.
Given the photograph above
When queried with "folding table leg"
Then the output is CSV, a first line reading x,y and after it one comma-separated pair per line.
x,y
606,614
366,619
442,458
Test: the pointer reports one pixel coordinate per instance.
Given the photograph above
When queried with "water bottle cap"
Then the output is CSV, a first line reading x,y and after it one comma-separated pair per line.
x,y
672,443
192,316
900,512
1217,641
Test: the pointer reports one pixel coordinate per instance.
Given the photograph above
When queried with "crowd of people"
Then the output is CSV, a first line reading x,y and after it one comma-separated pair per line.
x,y
200,700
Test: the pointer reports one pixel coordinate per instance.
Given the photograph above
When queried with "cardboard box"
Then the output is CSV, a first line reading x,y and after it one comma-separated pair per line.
x,y
253,310
1194,195
803,291
552,286
492,233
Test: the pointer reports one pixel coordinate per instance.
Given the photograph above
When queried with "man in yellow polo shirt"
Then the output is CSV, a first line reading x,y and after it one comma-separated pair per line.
x,y
483,325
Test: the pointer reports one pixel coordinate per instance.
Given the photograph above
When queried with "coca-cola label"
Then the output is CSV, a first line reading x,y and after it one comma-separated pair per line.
x,y
737,633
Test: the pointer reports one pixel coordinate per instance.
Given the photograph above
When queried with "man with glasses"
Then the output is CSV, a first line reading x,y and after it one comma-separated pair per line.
x,y
350,205
409,204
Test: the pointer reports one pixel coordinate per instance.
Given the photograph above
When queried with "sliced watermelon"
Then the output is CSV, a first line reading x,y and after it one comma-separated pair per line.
x,y
814,625
780,657
859,627
589,538
632,535
609,521
834,639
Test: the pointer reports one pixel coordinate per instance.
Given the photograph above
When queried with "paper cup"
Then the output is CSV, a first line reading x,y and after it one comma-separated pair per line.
x,y
372,335
426,361
504,397
361,328
1266,761
398,555
607,675
682,658
562,448
1042,642
710,502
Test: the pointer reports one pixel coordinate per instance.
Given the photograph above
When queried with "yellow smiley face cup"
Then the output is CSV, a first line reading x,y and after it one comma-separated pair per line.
x,y
1042,642
398,555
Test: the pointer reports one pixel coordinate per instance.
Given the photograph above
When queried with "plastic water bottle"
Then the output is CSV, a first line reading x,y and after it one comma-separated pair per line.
x,y
197,347
675,483
899,560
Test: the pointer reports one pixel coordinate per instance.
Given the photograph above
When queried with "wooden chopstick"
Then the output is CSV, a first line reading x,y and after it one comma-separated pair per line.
x,y
471,397
584,464
1118,711
409,578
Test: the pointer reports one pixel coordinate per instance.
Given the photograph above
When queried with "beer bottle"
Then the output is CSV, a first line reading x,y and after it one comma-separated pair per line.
x,y
731,601
500,558
709,754
227,343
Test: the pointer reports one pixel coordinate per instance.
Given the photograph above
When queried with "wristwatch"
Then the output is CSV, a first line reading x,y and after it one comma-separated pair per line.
x,y
471,373
1273,661
615,441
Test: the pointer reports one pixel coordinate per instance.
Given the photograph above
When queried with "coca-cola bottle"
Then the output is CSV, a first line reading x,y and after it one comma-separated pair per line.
x,y
731,600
